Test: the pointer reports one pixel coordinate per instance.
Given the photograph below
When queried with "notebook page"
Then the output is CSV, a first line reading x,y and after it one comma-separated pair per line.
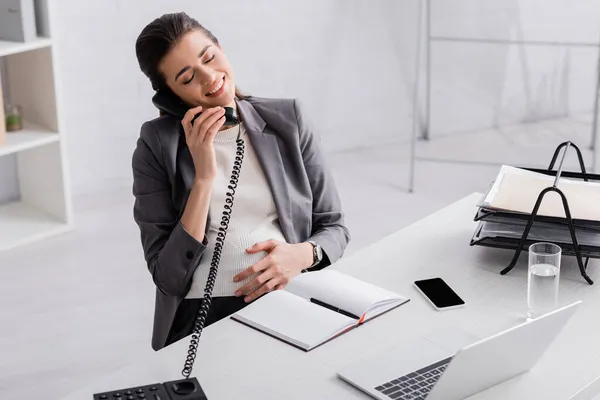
x,y
294,319
381,308
341,290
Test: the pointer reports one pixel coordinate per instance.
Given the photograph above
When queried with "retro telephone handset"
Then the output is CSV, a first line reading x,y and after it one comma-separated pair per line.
x,y
189,388
168,102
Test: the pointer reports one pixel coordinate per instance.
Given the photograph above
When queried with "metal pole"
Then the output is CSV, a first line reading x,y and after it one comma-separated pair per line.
x,y
595,116
560,166
415,111
425,131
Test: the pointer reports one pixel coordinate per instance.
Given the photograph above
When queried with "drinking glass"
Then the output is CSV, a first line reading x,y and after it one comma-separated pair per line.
x,y
542,278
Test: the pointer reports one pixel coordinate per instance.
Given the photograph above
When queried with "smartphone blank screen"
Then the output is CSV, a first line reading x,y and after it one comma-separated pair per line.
x,y
439,293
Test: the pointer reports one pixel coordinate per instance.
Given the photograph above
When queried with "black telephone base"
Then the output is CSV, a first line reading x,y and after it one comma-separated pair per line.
x,y
183,389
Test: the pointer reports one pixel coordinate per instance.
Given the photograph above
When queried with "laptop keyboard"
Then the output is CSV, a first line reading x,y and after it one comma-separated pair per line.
x,y
416,385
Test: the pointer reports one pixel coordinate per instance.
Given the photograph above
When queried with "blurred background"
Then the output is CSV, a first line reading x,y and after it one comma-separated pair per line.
x,y
432,96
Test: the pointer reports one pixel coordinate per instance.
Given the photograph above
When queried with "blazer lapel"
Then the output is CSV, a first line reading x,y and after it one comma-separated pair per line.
x,y
266,147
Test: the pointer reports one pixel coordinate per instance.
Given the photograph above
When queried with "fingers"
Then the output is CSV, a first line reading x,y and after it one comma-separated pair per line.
x,y
262,246
210,135
188,117
269,286
214,128
256,283
207,122
259,266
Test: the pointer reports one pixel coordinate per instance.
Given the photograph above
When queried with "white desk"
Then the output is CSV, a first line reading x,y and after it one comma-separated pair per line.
x,y
238,362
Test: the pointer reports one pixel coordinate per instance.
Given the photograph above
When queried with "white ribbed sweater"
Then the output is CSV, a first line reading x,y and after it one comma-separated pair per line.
x,y
254,217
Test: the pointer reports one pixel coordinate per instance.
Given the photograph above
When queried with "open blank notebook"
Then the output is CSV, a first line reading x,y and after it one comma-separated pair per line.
x,y
316,307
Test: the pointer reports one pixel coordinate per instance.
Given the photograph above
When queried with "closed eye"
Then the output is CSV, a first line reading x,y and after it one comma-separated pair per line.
x,y
189,80
210,59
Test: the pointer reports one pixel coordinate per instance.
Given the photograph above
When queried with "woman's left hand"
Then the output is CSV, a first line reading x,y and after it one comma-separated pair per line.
x,y
283,262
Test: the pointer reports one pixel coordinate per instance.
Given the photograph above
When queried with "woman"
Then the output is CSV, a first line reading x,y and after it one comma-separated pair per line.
x,y
286,215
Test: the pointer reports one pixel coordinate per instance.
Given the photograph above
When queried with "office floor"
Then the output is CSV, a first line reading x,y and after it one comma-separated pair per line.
x,y
80,305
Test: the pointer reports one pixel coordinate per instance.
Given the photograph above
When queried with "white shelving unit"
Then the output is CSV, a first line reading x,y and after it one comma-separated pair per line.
x,y
44,207
8,48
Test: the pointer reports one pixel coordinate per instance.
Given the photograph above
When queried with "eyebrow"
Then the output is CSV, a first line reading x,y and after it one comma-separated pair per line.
x,y
187,67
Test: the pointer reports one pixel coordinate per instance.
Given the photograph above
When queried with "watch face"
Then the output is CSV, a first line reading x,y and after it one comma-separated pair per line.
x,y
317,252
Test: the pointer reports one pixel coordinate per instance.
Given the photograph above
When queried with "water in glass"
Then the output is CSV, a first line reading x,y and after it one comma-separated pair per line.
x,y
542,295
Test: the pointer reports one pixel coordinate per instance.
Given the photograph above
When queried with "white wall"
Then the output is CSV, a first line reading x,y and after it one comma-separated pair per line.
x,y
351,61
478,85
346,59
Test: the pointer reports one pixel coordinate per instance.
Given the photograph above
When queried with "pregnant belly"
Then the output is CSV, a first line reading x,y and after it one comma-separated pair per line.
x,y
234,258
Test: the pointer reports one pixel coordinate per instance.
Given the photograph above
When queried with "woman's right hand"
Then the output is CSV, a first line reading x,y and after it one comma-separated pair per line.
x,y
200,136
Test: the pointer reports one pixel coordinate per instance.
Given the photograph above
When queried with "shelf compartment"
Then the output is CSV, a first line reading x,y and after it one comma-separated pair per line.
x,y
21,223
30,137
8,48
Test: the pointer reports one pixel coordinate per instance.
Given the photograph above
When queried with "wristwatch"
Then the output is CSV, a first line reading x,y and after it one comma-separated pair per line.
x,y
317,254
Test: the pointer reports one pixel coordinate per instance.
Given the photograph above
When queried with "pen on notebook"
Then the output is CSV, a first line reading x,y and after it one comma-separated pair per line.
x,y
339,310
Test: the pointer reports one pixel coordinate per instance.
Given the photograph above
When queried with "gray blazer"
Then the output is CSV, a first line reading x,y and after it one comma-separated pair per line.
x,y
289,151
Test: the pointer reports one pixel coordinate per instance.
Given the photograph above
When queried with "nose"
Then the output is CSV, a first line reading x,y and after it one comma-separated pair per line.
x,y
206,76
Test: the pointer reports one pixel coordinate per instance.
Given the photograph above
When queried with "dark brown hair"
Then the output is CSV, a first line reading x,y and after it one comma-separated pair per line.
x,y
158,38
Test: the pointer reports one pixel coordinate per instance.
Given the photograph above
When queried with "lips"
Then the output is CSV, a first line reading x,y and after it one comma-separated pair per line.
x,y
217,88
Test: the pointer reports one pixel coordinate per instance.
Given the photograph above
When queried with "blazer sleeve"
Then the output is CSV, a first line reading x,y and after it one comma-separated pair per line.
x,y
328,228
171,253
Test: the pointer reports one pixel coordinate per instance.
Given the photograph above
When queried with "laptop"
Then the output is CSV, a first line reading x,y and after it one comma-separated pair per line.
x,y
452,364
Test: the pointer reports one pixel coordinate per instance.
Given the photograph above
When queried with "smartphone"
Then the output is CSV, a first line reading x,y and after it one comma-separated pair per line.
x,y
169,103
439,294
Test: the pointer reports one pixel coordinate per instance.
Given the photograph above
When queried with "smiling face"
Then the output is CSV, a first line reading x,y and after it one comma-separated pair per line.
x,y
197,70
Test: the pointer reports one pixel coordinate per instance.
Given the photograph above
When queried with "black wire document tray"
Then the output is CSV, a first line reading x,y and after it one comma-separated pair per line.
x,y
518,230
491,236
504,217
